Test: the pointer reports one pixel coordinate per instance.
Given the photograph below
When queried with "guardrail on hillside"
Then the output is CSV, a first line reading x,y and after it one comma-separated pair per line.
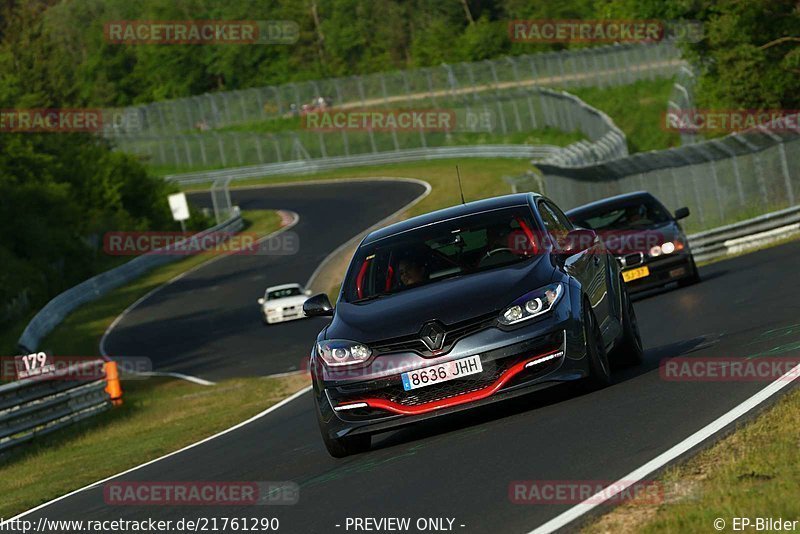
x,y
59,307
554,109
36,406
494,116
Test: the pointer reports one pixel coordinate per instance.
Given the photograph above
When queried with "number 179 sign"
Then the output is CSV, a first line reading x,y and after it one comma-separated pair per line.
x,y
31,365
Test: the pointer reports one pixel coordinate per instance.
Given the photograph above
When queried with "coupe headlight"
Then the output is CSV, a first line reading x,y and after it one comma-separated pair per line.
x,y
339,352
532,304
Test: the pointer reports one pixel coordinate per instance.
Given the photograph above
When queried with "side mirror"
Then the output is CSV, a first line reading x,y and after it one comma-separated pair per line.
x,y
578,240
261,301
318,306
681,213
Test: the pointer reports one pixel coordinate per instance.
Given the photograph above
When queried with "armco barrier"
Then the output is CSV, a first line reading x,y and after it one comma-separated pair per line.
x,y
745,235
564,111
500,113
57,309
37,406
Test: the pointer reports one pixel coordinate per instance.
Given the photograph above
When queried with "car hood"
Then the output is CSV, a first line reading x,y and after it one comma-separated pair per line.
x,y
286,301
448,301
621,242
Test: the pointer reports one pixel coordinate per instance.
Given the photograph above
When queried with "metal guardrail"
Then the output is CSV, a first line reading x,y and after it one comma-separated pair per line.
x,y
59,307
37,406
559,109
498,114
745,235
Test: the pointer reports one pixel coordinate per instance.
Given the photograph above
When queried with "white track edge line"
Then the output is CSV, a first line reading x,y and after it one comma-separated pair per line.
x,y
188,378
671,454
164,457
137,302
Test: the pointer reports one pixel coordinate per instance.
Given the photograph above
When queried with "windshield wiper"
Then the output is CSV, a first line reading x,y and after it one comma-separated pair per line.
x,y
372,297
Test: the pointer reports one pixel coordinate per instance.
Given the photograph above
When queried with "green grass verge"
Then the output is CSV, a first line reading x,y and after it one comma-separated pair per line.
x,y
158,416
753,472
80,333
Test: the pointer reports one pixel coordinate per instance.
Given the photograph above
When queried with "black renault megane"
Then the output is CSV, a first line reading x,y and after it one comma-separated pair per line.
x,y
462,307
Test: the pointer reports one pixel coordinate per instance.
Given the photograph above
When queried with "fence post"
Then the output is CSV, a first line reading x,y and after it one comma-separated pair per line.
x,y
787,180
735,162
762,187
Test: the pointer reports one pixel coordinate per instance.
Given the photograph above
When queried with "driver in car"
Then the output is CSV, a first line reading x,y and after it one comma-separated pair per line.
x,y
498,241
411,271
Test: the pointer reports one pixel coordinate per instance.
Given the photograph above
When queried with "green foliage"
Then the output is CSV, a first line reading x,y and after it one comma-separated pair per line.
x,y
743,59
59,192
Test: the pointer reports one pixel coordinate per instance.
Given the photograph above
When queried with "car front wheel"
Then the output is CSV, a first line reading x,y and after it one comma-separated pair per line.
x,y
344,446
599,368
629,349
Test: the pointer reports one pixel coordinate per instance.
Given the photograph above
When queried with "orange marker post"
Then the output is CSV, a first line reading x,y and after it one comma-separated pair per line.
x,y
113,386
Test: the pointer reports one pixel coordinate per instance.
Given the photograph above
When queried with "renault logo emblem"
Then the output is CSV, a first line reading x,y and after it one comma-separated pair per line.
x,y
432,335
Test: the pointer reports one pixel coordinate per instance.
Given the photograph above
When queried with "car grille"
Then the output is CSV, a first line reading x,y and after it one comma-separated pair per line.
x,y
453,333
630,260
445,390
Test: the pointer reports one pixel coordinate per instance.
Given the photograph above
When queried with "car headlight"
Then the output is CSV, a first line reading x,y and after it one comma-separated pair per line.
x,y
339,352
668,247
655,251
532,304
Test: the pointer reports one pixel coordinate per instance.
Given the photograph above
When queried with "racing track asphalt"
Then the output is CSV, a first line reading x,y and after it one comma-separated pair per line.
x,y
207,324
461,467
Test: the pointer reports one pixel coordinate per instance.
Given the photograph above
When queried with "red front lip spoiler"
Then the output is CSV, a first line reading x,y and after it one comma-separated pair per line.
x,y
488,391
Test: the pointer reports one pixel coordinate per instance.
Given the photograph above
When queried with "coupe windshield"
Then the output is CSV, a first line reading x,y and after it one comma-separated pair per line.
x,y
283,293
446,249
639,213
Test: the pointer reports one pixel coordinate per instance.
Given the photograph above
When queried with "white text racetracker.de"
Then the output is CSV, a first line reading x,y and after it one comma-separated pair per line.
x,y
400,524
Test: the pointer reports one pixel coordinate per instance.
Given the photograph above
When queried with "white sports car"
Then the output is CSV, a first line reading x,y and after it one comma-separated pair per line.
x,y
283,303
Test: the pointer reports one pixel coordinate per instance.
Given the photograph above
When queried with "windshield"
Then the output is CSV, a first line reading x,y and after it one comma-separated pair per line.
x,y
443,250
640,213
282,293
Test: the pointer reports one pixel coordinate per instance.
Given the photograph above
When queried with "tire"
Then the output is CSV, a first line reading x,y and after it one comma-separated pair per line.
x,y
599,368
693,279
628,350
346,446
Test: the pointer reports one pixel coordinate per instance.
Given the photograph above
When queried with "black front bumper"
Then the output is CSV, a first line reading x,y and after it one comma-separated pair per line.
x,y
663,270
504,376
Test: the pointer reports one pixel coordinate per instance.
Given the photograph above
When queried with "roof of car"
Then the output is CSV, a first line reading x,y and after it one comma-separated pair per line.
x,y
478,206
610,201
284,286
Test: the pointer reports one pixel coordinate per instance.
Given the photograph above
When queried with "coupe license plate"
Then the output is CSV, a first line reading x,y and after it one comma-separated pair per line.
x,y
441,373
634,274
